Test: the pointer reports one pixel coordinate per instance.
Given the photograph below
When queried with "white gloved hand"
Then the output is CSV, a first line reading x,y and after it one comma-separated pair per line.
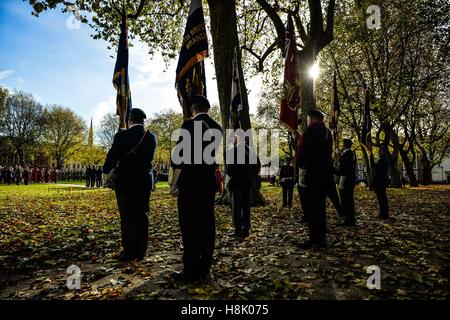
x,y
174,174
302,178
227,182
341,183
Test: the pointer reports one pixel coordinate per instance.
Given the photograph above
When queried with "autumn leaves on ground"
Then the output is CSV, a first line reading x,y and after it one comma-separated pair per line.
x,y
44,231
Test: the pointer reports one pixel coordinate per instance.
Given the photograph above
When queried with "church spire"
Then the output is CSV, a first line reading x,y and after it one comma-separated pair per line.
x,y
91,135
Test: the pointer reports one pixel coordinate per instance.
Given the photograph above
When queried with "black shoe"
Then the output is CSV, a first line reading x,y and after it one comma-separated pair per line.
x,y
322,244
234,235
181,276
307,244
122,257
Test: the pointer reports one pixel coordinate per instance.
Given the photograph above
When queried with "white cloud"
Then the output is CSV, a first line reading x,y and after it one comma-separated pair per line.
x,y
106,106
152,85
5,74
254,92
20,81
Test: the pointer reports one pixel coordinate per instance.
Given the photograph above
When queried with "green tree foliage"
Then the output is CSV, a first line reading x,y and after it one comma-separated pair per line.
x,y
90,155
107,130
164,124
21,122
402,63
3,95
64,133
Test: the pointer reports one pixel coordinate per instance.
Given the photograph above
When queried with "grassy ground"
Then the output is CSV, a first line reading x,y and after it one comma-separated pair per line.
x,y
43,232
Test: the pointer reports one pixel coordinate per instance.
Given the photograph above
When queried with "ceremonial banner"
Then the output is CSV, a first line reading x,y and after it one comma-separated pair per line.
x,y
334,112
235,105
290,102
120,78
366,138
190,74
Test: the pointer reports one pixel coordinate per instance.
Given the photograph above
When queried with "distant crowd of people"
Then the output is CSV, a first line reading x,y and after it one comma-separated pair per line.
x,y
26,175
94,177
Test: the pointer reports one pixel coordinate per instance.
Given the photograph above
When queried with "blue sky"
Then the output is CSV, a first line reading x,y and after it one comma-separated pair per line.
x,y
65,66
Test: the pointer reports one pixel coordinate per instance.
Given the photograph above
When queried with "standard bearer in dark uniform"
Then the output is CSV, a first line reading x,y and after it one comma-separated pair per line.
x,y
131,155
287,183
194,155
347,181
315,165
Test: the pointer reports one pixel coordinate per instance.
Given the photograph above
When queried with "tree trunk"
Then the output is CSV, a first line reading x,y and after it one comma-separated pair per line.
x,y
409,166
223,22
223,43
307,94
426,169
20,154
59,163
225,40
393,161
369,162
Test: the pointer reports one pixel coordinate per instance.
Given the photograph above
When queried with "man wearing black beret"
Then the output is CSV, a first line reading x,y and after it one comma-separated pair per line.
x,y
131,156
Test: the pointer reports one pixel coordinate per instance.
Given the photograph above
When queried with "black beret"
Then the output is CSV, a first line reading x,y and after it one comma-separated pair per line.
x,y
315,113
137,114
201,100
348,141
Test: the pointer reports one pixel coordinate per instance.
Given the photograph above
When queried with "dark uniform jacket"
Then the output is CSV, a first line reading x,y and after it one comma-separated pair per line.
x,y
198,177
99,173
347,168
133,171
315,155
287,172
380,173
239,172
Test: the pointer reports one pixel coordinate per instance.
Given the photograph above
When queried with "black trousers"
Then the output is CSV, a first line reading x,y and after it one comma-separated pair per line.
x,y
288,190
240,206
314,206
382,202
198,231
134,210
348,204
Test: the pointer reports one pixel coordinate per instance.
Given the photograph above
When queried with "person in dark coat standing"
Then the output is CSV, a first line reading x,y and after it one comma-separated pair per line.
x,y
18,175
88,176
7,173
380,182
98,177
131,155
347,181
92,177
287,183
26,176
196,184
315,165
239,184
